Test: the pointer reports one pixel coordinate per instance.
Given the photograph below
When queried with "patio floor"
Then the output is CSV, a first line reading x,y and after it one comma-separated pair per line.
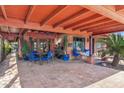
x,y
57,75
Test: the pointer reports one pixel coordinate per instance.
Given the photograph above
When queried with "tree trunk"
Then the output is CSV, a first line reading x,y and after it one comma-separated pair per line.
x,y
115,60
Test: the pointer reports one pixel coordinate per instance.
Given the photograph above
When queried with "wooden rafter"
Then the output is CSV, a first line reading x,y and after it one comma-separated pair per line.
x,y
89,21
3,12
78,18
81,21
93,24
98,23
30,12
82,11
52,14
104,26
110,30
106,12
30,25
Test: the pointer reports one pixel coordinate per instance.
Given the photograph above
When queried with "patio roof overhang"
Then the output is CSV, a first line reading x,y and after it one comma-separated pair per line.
x,y
69,19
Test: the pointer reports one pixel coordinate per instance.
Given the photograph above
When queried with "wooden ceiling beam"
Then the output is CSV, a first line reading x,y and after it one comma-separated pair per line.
x,y
105,12
109,31
103,22
81,21
29,13
89,21
53,14
99,22
78,18
104,27
3,12
73,16
36,26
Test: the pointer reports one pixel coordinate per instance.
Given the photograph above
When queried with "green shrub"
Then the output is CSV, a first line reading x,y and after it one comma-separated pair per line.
x,y
7,47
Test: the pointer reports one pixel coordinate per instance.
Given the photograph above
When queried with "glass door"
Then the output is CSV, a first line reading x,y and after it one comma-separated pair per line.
x,y
44,45
79,43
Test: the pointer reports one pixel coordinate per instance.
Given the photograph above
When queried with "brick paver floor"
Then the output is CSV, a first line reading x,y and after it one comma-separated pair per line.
x,y
55,75
9,73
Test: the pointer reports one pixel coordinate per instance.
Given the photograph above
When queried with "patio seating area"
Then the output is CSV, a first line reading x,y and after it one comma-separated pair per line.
x,y
56,47
58,74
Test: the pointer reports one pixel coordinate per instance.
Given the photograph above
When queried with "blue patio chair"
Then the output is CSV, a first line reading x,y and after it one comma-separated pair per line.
x,y
75,52
48,56
34,56
66,57
87,52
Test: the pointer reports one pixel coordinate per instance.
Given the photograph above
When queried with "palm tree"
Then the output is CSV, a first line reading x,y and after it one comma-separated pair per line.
x,y
115,47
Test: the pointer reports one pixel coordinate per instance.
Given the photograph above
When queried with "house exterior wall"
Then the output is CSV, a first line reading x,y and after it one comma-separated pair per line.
x,y
56,39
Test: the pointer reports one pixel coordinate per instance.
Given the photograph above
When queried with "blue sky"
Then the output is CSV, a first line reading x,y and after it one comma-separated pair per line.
x,y
122,33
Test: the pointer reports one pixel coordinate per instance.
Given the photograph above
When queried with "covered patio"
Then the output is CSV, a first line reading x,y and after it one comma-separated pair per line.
x,y
41,29
38,28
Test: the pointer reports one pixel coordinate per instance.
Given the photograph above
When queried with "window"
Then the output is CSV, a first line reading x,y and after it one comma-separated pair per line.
x,y
79,42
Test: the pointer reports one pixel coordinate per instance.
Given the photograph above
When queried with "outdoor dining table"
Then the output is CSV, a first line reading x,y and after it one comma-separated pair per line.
x,y
40,55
